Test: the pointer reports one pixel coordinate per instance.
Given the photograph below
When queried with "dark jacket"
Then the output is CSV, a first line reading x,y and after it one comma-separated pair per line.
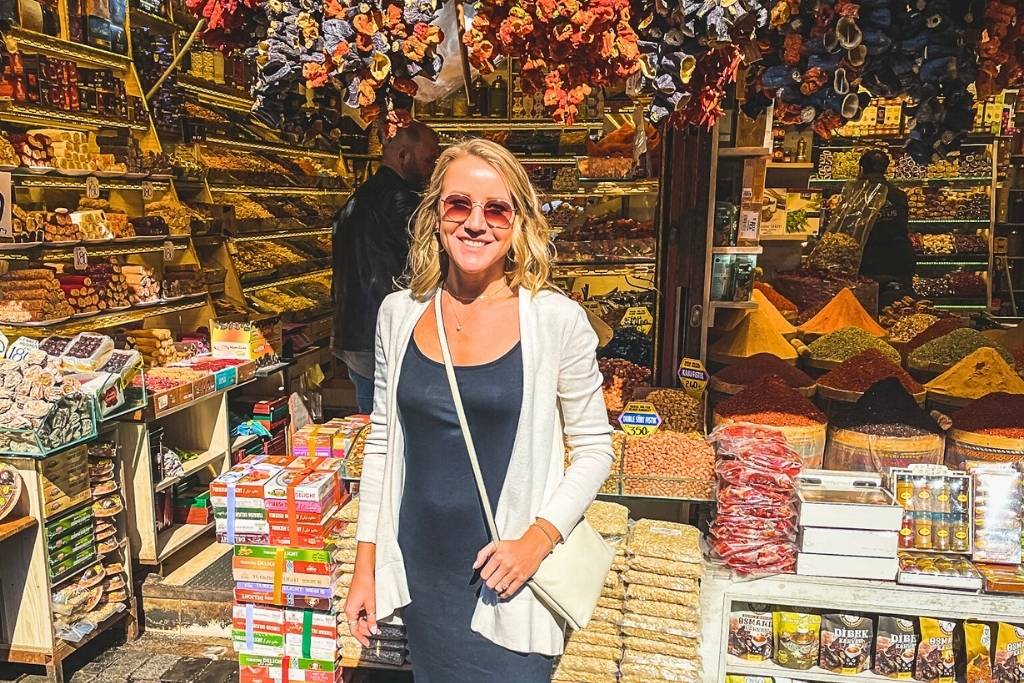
x,y
371,246
888,251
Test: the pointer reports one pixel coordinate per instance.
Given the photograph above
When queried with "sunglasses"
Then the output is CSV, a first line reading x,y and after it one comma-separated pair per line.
x,y
458,208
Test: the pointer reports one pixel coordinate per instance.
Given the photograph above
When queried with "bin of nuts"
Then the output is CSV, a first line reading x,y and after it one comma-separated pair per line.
x,y
679,411
668,465
614,480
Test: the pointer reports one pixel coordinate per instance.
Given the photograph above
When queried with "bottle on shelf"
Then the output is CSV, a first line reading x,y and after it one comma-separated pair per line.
x,y
460,106
801,149
481,98
499,99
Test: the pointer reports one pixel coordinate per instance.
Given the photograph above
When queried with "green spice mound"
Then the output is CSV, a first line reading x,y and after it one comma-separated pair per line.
x,y
848,342
952,348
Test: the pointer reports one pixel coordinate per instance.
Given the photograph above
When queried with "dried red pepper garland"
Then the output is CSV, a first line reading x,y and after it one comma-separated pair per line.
x,y
567,46
229,23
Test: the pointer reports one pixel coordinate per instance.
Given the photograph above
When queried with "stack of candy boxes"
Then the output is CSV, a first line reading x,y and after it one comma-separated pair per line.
x,y
280,514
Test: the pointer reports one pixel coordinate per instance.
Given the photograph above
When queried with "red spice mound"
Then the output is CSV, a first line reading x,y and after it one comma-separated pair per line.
x,y
770,401
780,302
939,328
753,368
867,367
997,414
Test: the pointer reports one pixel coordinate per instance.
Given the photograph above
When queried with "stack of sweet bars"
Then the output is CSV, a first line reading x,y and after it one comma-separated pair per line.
x,y
281,515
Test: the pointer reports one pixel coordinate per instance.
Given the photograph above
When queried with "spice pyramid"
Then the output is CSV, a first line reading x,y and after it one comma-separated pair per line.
x,y
755,334
978,374
773,315
843,311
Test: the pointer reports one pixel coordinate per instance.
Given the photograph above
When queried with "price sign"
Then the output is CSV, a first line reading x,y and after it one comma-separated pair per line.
x,y
1000,245
693,377
4,342
168,250
750,221
92,187
20,348
232,249
147,191
6,228
639,318
81,258
640,419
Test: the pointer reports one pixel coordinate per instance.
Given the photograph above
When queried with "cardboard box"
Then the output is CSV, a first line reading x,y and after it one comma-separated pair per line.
x,y
264,669
320,569
849,542
245,526
318,488
847,566
868,509
266,553
287,578
288,599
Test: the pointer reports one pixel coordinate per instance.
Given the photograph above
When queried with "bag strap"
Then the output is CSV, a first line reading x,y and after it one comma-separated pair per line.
x,y
460,411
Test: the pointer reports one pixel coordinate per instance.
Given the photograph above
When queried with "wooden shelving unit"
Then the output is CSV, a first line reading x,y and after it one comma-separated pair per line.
x,y
201,425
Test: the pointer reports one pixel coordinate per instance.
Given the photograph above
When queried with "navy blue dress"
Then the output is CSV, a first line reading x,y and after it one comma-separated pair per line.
x,y
441,525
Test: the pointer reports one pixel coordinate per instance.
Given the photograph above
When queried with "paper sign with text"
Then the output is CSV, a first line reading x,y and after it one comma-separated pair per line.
x,y
640,418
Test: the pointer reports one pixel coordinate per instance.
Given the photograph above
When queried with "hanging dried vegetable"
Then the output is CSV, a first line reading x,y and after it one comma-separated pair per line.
x,y
229,23
820,54
691,53
371,50
567,47
1001,50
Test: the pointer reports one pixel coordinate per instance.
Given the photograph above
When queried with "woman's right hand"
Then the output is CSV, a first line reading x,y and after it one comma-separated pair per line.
x,y
361,605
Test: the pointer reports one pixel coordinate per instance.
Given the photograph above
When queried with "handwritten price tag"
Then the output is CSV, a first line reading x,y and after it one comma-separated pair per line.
x,y
147,191
81,258
92,187
168,250
638,317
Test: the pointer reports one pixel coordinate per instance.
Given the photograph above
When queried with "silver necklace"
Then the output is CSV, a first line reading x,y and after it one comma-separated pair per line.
x,y
463,300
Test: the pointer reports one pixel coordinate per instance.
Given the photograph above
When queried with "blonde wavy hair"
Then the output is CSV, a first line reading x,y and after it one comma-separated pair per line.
x,y
531,252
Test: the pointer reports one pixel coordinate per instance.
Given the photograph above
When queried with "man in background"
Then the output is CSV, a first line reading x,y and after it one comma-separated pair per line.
x,y
371,245
888,254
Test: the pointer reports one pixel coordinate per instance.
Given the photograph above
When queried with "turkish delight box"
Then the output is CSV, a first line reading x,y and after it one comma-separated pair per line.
x,y
320,489
265,669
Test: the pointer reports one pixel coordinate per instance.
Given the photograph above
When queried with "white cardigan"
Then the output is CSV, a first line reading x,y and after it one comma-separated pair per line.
x,y
561,393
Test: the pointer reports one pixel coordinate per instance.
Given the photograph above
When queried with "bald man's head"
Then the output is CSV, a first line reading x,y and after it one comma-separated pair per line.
x,y
412,153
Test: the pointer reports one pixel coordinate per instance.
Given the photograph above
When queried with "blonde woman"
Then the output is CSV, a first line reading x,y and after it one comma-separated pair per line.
x,y
527,372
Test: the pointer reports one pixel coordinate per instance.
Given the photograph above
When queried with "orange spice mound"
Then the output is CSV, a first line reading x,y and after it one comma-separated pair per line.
x,y
843,311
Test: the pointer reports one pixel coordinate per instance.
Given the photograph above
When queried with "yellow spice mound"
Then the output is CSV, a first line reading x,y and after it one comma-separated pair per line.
x,y
777,320
843,311
977,374
756,334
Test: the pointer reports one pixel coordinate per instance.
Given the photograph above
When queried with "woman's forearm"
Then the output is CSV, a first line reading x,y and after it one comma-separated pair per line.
x,y
366,557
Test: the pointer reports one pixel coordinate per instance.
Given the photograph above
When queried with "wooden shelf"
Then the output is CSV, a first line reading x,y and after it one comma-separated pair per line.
x,y
280,235
34,115
735,665
10,527
106,320
49,252
258,190
65,49
743,152
287,280
737,251
273,148
176,537
190,468
57,181
793,166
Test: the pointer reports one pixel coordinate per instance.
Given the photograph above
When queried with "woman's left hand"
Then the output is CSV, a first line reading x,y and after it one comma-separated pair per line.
x,y
508,565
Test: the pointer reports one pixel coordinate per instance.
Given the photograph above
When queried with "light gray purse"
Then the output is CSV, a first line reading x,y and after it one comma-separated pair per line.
x,y
570,579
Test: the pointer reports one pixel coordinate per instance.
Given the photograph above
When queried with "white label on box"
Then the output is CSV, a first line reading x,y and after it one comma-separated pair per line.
x,y
849,542
847,566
